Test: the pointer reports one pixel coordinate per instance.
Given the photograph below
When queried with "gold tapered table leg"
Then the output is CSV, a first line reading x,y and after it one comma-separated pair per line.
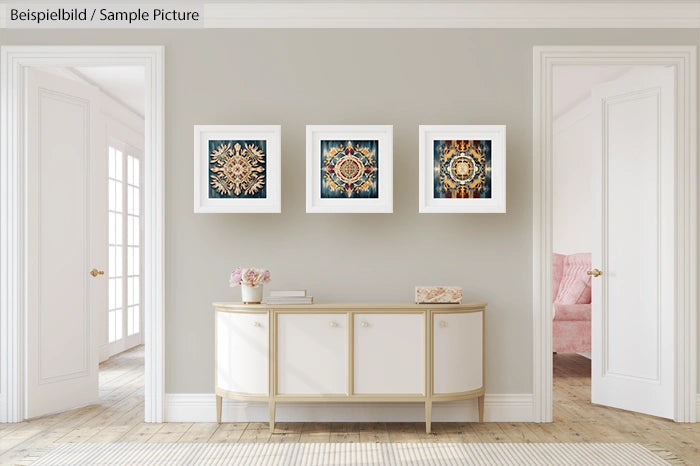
x,y
272,416
481,408
428,415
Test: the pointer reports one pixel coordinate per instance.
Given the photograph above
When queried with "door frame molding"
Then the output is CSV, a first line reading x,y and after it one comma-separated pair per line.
x,y
683,58
14,61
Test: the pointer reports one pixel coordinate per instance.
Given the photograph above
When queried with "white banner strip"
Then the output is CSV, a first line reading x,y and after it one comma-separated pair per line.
x,y
358,14
104,16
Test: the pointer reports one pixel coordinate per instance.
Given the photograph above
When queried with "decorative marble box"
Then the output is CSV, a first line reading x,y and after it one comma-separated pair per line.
x,y
439,294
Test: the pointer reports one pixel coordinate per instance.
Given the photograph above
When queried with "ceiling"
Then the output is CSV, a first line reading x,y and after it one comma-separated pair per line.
x,y
124,83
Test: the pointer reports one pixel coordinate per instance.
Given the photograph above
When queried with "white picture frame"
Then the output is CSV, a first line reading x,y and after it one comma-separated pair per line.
x,y
379,198
206,197
434,138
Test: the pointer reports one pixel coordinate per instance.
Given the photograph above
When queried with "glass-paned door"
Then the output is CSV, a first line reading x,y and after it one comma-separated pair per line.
x,y
124,303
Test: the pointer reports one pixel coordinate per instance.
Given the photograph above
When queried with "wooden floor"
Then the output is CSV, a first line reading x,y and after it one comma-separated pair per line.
x,y
119,418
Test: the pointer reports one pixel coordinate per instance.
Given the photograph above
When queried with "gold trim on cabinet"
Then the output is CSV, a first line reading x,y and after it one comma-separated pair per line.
x,y
428,369
350,348
349,310
345,307
272,367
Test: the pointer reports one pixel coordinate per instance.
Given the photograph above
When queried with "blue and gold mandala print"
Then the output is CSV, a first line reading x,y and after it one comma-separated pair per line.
x,y
461,169
237,169
350,169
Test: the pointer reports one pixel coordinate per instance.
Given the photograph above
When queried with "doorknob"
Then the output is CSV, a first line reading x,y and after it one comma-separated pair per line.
x,y
95,272
594,273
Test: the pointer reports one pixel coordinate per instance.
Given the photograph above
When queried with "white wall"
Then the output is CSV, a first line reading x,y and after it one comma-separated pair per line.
x,y
572,133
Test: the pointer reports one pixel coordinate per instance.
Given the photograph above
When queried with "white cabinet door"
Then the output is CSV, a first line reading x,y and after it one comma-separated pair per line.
x,y
242,352
389,353
311,353
457,352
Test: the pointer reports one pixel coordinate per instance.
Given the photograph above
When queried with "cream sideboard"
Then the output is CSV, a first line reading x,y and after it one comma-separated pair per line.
x,y
351,352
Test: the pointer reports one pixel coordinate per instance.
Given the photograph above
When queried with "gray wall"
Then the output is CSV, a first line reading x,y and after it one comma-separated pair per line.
x,y
399,77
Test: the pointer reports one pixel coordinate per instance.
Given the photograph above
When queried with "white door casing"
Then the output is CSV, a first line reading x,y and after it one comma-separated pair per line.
x,y
386,349
311,353
633,242
67,225
683,61
242,352
14,62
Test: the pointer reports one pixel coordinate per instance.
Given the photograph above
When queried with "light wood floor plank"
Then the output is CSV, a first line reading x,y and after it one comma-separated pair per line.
x,y
170,432
315,432
255,432
199,432
229,432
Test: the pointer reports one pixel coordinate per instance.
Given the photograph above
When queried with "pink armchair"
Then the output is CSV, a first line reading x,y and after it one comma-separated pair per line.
x,y
571,296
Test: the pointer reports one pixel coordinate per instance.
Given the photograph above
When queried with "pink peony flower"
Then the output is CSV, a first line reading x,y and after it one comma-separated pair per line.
x,y
249,276
236,277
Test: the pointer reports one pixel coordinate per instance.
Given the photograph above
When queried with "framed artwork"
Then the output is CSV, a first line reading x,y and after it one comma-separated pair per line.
x,y
462,168
237,169
349,169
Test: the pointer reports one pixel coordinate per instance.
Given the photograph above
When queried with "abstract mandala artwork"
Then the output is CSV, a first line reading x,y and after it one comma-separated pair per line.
x,y
461,169
350,169
237,169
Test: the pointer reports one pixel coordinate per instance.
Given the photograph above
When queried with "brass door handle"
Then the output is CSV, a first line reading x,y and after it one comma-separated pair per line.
x,y
95,272
594,273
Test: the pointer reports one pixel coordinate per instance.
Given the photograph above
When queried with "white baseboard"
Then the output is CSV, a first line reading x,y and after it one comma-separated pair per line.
x,y
103,352
201,407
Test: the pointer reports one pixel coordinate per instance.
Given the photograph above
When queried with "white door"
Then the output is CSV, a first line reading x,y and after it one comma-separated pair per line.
x,y
633,217
67,227
311,353
389,353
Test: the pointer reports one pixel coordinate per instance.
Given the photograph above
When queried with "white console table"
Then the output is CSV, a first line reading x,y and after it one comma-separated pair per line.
x,y
352,352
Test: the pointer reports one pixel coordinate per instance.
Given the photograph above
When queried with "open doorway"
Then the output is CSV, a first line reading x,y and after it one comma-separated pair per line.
x,y
613,235
85,143
572,233
643,227
108,175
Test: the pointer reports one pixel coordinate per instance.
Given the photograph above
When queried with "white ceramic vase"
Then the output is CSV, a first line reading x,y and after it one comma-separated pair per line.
x,y
251,294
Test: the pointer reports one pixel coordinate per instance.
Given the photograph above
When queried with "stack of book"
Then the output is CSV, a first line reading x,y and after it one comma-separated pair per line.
x,y
289,297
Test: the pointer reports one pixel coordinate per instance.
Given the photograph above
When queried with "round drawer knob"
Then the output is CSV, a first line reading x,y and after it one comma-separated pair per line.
x,y
365,324
256,324
443,323
333,324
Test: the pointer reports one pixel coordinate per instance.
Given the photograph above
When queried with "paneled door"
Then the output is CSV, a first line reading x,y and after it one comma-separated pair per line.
x,y
67,227
633,246
124,311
